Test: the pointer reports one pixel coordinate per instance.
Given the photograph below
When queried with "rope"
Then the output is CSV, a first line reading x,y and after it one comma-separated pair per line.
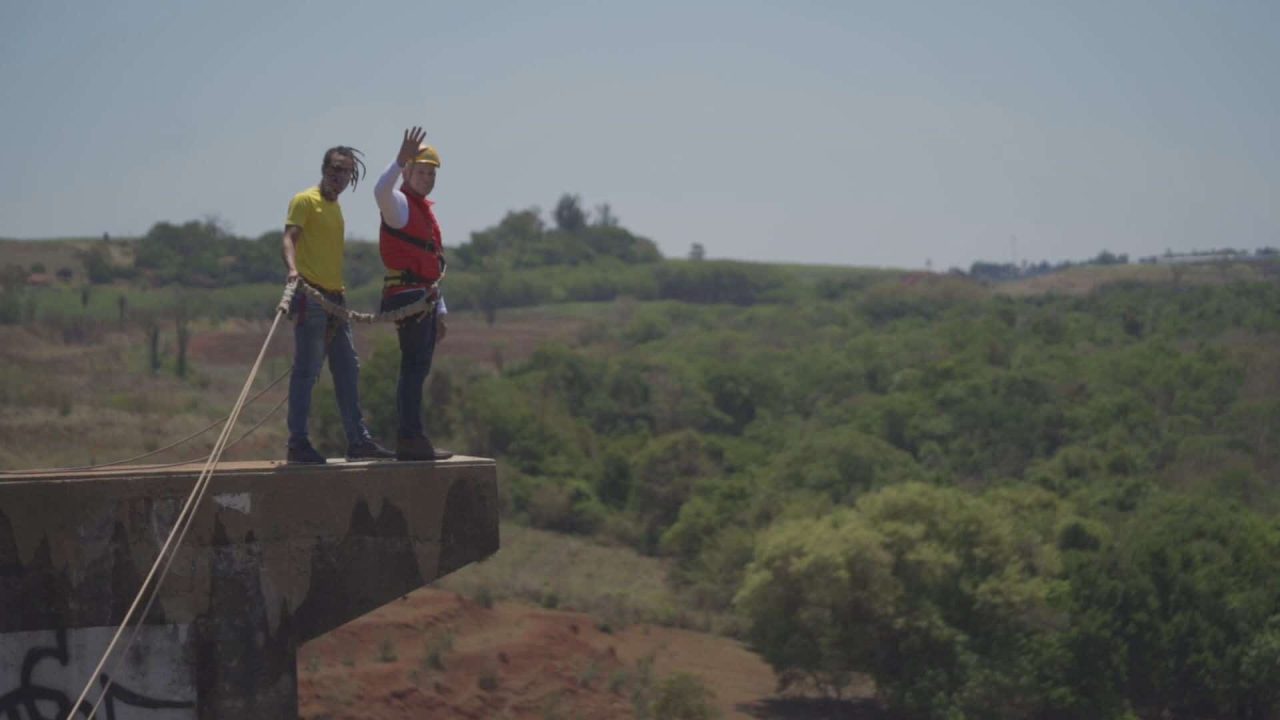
x,y
421,305
115,665
164,559
233,443
108,679
170,446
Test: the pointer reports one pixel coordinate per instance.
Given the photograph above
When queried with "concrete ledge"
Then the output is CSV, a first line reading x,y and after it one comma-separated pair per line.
x,y
276,555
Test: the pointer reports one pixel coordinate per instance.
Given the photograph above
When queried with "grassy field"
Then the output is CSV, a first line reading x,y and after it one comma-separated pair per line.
x,y
615,585
84,394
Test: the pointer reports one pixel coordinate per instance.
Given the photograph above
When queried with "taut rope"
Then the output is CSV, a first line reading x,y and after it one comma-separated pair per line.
x,y
421,305
164,559
170,446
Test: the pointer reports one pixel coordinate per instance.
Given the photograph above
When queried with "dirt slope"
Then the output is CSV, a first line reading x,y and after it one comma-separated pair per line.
x,y
436,654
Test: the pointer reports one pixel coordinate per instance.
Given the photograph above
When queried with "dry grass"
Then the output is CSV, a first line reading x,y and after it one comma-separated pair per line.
x,y
616,585
53,254
78,403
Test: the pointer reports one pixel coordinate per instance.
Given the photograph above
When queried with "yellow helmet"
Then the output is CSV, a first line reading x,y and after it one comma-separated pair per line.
x,y
427,154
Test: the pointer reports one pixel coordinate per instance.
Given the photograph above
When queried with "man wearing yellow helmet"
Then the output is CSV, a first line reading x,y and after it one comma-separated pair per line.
x,y
412,250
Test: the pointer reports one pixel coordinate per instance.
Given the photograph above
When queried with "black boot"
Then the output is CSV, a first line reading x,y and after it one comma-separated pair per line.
x,y
419,448
367,449
304,454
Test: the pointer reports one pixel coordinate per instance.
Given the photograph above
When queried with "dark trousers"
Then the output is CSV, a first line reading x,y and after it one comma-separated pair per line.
x,y
317,336
417,346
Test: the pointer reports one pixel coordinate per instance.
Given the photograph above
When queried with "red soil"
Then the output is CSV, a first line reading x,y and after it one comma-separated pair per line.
x,y
509,661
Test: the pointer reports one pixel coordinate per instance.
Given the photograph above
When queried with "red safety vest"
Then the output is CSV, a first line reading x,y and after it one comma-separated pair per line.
x,y
415,251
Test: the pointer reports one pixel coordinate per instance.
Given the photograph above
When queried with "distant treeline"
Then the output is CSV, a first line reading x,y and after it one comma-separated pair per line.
x,y
202,253
521,261
995,272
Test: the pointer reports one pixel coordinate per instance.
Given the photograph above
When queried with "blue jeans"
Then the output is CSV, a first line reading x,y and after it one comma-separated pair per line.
x,y
315,335
417,345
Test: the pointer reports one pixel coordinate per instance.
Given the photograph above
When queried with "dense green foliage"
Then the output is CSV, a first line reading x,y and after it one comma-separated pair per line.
x,y
523,241
1046,507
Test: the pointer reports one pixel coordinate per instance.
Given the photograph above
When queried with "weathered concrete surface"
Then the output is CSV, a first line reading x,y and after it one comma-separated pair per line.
x,y
277,555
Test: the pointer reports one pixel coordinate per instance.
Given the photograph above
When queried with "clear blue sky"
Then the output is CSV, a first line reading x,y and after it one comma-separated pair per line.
x,y
830,132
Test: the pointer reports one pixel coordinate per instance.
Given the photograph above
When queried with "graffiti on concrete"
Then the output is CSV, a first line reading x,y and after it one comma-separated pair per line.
x,y
42,672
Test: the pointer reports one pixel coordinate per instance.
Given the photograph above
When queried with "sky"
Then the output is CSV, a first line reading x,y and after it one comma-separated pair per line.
x,y
895,134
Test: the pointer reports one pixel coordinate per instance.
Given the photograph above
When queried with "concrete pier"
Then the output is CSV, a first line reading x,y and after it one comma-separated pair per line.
x,y
276,555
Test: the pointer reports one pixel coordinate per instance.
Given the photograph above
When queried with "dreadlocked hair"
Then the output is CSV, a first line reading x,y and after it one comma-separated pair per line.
x,y
347,152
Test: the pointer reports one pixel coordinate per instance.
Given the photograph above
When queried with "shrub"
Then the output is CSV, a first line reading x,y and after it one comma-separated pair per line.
x,y
683,697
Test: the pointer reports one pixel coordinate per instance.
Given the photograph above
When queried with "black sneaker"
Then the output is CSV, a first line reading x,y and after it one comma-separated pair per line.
x,y
367,449
305,455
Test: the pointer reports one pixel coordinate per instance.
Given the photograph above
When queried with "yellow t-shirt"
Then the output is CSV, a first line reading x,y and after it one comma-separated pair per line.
x,y
319,251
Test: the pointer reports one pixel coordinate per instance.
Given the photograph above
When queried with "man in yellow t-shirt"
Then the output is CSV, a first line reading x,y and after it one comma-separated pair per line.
x,y
313,245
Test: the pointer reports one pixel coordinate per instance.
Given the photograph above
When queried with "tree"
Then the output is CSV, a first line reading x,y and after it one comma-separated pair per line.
x,y
153,344
569,215
1182,618
664,474
1106,257
605,216
944,598
97,264
184,337
523,241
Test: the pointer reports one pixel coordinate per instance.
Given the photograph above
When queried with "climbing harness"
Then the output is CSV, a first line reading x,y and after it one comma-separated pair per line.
x,y
421,305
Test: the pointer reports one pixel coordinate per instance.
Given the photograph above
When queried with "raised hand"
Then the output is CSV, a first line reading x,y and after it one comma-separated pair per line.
x,y
413,138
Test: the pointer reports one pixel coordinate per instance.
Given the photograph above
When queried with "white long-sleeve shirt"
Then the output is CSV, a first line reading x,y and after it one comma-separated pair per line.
x,y
391,201
394,207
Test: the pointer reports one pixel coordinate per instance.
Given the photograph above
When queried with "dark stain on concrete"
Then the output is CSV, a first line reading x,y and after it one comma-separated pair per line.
x,y
245,668
34,596
373,564
111,582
